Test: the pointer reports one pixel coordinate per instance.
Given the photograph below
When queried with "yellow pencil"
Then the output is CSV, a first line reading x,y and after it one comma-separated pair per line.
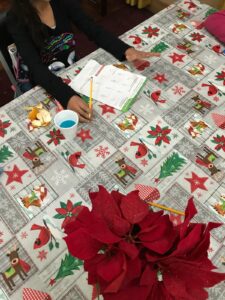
x,y
178,212
91,95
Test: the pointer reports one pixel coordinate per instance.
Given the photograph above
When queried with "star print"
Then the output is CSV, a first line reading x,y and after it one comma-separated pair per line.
x,y
107,109
15,175
197,182
84,135
160,77
52,282
177,57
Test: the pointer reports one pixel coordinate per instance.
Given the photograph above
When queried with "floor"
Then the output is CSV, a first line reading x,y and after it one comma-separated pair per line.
x,y
118,22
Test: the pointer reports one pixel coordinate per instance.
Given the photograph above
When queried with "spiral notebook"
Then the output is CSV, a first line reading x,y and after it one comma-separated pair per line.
x,y
111,85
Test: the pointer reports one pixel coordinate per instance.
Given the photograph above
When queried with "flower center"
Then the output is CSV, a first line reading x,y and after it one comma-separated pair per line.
x,y
69,214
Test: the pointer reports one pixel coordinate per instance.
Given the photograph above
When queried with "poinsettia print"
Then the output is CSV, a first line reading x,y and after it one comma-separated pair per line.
x,y
196,36
221,76
68,211
3,126
151,31
55,136
219,140
161,135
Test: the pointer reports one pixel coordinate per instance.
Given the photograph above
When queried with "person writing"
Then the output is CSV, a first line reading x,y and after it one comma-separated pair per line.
x,y
42,32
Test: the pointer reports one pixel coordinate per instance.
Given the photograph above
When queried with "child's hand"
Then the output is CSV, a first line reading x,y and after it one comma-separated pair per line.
x,y
133,54
79,106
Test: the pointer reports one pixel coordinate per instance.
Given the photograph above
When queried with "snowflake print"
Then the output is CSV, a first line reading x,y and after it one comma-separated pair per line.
x,y
210,250
1,241
1,233
199,195
102,152
23,235
42,255
216,98
60,177
178,90
125,149
144,162
72,195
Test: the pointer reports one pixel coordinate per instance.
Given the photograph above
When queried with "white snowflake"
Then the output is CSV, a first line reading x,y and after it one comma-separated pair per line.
x,y
178,90
60,177
102,151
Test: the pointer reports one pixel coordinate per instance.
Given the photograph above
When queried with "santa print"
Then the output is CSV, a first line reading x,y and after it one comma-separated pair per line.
x,y
55,136
3,126
219,140
151,31
161,135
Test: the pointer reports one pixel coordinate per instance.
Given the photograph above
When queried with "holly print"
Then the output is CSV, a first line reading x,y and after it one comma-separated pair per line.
x,y
55,136
160,134
171,165
161,47
68,265
221,76
219,140
68,211
151,31
5,154
196,36
3,126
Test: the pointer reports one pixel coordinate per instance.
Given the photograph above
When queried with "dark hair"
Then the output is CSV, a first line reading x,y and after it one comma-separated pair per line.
x,y
28,15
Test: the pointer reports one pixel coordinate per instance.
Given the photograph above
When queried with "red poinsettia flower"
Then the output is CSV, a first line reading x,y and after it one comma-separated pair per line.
x,y
55,136
221,76
68,212
110,235
3,126
220,141
160,134
151,31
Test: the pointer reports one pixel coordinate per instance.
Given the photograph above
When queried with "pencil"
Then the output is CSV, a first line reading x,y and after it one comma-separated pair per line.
x,y
178,212
91,95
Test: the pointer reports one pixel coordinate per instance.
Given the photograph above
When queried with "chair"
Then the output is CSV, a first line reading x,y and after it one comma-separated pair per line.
x,y
5,58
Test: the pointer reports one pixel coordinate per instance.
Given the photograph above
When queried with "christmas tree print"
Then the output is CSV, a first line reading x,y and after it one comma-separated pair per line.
x,y
210,11
219,120
5,154
161,47
171,165
68,265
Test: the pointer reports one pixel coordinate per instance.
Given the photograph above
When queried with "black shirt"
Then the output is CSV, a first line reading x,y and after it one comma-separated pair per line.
x,y
60,46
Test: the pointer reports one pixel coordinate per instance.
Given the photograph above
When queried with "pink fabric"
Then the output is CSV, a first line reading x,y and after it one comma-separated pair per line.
x,y
215,24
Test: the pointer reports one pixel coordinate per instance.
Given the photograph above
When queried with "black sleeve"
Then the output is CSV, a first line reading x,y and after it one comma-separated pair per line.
x,y
40,73
101,37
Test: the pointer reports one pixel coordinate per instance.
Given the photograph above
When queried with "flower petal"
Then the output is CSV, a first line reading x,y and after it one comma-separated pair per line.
x,y
69,205
129,249
81,245
133,208
61,211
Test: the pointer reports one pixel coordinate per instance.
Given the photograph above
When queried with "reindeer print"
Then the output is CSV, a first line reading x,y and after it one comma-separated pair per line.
x,y
17,267
34,155
201,105
125,170
207,161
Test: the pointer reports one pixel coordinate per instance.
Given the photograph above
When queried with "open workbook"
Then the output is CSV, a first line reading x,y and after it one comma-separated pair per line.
x,y
111,85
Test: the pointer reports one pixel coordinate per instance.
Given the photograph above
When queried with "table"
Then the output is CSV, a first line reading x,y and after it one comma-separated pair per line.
x,y
179,115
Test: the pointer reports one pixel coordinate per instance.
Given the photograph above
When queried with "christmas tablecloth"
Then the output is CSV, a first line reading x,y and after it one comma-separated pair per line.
x,y
170,146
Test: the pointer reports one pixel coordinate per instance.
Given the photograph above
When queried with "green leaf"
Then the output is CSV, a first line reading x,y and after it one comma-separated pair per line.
x,y
63,205
68,265
50,246
57,245
171,165
77,204
151,136
58,216
5,154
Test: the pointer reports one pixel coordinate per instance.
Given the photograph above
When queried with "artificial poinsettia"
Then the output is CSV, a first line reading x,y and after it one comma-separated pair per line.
x,y
131,252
